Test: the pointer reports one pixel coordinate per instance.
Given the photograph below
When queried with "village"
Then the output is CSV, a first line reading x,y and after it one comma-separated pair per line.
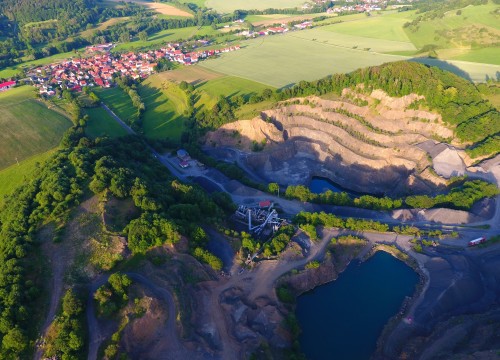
x,y
99,68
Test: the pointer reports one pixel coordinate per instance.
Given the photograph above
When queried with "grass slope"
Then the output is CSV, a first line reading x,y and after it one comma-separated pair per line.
x,y
165,106
118,101
102,124
27,127
228,86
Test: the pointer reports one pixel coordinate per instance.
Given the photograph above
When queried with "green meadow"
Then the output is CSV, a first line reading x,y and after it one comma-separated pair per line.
x,y
27,126
118,101
166,105
100,123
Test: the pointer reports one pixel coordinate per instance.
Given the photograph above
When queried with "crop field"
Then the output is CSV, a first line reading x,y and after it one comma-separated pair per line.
x,y
228,86
282,60
226,6
14,175
118,101
100,123
165,106
27,127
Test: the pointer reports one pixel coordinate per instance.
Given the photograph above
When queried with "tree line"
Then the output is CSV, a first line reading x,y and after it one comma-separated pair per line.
x,y
460,196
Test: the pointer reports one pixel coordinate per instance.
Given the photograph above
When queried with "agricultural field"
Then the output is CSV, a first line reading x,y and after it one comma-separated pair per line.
x,y
225,6
14,175
282,60
166,104
100,123
103,26
27,127
228,86
118,101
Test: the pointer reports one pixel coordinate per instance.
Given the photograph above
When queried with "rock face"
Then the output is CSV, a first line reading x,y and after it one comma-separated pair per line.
x,y
370,148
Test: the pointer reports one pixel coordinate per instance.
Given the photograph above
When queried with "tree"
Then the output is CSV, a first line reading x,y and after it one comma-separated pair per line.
x,y
273,188
14,340
143,36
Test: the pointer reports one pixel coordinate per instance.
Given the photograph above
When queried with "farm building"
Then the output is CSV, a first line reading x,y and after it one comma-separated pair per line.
x,y
7,85
183,155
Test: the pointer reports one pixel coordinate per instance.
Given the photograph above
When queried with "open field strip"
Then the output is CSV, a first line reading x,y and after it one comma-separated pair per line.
x,y
258,20
485,55
100,123
165,106
105,25
14,175
27,127
194,74
161,8
282,60
226,6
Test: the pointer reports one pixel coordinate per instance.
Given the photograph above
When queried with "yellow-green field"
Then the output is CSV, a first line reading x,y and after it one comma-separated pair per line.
x,y
282,60
102,124
118,101
27,126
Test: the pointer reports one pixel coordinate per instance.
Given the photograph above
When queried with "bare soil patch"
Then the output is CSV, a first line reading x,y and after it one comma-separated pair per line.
x,y
162,8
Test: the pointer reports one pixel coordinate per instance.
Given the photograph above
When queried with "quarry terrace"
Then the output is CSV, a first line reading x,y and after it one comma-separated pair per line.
x,y
99,70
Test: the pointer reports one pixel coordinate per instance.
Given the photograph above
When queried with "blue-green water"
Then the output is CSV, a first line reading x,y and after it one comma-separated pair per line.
x,y
342,320
320,185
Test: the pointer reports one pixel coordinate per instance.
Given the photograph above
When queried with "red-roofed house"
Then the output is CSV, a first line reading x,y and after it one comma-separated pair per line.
x,y
7,85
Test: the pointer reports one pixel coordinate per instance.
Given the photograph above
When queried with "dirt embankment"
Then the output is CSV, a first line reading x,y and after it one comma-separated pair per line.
x,y
369,148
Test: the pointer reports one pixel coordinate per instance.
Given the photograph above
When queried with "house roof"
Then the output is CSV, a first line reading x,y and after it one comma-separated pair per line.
x,y
7,83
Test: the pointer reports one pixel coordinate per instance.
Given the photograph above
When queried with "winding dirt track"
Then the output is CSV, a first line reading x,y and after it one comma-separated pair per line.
x,y
176,349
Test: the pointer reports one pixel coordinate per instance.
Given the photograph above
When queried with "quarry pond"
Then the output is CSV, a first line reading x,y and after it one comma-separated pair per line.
x,y
344,318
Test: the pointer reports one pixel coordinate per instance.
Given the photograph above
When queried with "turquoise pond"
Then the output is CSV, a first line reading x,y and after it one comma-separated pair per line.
x,y
342,320
319,185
